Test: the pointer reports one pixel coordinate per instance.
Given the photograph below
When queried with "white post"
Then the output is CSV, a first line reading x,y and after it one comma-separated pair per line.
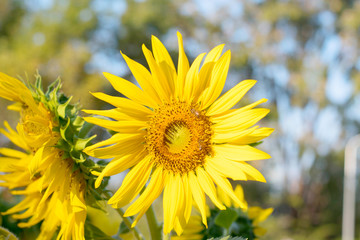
x,y
348,220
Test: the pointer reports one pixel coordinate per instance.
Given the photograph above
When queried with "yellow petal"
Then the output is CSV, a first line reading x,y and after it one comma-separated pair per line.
x,y
164,60
35,161
14,136
242,120
14,90
143,77
217,81
251,172
208,186
151,192
24,204
257,214
214,54
225,185
118,126
240,152
188,197
192,78
230,98
128,106
239,192
173,199
227,168
233,112
167,206
232,136
161,83
207,67
116,138
119,165
132,184
224,197
183,68
118,150
12,153
115,114
253,137
130,90
198,195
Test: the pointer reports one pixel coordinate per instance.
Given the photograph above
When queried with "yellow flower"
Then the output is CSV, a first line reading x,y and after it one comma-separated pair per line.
x,y
258,215
176,132
53,188
192,230
195,229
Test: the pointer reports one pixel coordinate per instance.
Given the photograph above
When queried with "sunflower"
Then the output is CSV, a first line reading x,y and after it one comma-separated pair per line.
x,y
53,187
176,132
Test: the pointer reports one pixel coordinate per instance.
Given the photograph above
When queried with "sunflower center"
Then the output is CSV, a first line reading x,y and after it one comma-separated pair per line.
x,y
179,137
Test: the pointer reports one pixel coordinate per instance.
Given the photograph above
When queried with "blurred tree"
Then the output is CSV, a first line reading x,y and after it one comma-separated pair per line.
x,y
49,36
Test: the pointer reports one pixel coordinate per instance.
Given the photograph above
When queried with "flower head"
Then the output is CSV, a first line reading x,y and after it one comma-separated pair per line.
x,y
178,133
46,168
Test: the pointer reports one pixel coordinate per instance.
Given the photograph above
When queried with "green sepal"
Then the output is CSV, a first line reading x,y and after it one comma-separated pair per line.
x,y
65,131
73,131
61,109
81,143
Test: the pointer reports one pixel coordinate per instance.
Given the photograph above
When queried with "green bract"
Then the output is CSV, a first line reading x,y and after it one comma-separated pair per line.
x,y
73,131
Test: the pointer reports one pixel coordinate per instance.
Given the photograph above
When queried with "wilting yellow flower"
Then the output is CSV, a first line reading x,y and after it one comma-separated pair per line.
x,y
177,133
53,189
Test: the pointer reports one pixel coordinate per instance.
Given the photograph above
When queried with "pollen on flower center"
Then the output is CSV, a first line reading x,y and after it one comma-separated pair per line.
x,y
179,137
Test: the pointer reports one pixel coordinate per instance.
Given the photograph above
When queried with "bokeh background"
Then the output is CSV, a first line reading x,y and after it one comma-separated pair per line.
x,y
304,54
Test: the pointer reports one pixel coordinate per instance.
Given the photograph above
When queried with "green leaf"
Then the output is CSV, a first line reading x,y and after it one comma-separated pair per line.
x,y
64,131
94,233
81,143
226,217
61,109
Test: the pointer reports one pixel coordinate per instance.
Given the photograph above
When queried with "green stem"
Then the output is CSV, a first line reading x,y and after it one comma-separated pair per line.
x,y
127,221
155,228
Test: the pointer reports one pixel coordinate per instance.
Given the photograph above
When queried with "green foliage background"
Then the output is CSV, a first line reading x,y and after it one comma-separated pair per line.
x,y
285,45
